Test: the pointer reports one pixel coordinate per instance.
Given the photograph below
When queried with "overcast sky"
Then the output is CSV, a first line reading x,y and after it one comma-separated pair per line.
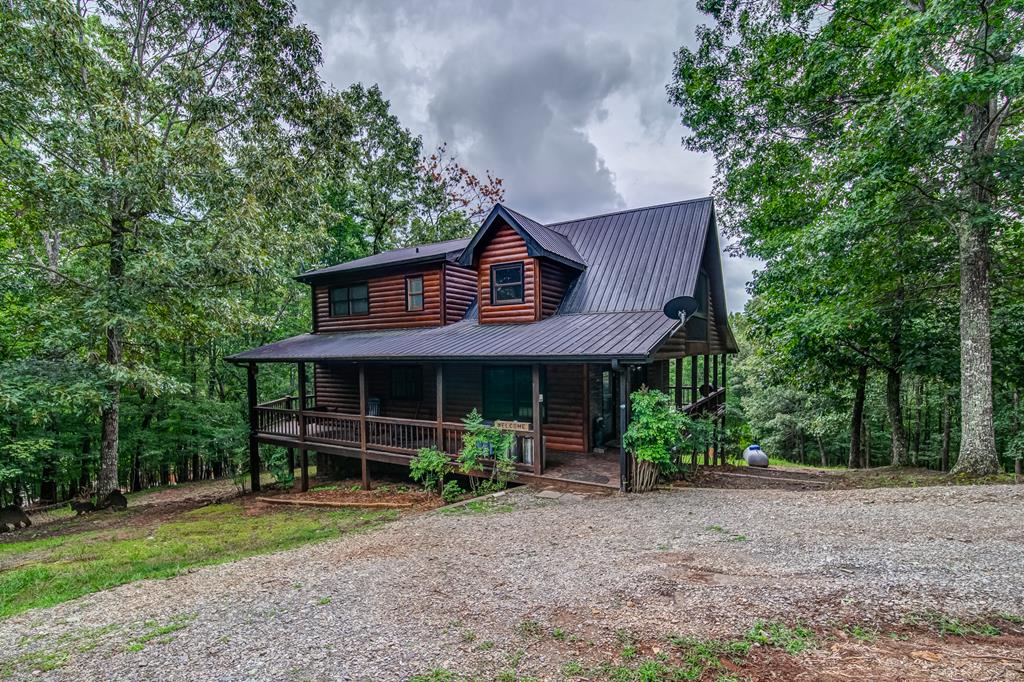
x,y
564,99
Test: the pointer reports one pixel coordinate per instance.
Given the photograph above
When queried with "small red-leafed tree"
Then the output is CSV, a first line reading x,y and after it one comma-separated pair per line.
x,y
452,200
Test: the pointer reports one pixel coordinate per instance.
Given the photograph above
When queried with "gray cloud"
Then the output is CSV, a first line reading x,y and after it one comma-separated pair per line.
x,y
526,113
564,100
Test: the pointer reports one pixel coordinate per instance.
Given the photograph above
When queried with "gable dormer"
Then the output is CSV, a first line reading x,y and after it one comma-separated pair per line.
x,y
523,268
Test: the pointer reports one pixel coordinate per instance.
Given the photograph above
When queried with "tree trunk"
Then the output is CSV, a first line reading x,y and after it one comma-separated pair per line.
x,y
800,444
867,444
898,433
857,419
894,385
110,413
821,451
978,438
645,475
947,428
918,424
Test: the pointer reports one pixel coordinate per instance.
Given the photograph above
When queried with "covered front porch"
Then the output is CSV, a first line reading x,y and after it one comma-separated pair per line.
x,y
567,418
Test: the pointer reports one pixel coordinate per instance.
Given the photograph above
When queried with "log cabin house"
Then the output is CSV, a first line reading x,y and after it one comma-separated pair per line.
x,y
543,328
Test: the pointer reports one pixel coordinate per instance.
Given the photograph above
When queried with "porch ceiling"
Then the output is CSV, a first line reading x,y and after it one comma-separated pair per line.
x,y
565,338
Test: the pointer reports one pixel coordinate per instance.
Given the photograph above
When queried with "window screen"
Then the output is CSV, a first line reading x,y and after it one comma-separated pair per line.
x,y
414,293
350,300
507,283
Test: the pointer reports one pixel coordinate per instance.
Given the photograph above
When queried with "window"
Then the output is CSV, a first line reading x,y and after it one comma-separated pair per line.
x,y
414,293
406,382
508,393
507,283
350,300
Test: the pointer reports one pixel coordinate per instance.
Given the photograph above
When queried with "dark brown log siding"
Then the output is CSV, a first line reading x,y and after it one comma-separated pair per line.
x,y
564,429
505,246
378,385
337,387
387,304
554,280
463,391
676,344
459,291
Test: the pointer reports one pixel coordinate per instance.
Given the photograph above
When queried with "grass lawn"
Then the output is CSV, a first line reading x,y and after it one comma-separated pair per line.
x,y
37,573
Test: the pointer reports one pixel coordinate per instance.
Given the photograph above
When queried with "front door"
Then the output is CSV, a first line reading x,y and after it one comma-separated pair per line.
x,y
604,425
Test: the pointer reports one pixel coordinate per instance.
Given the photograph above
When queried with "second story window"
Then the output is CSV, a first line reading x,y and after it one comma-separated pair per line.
x,y
350,300
507,283
414,293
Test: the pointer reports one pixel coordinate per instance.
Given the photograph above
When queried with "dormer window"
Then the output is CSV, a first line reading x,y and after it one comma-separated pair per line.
x,y
350,300
414,293
507,283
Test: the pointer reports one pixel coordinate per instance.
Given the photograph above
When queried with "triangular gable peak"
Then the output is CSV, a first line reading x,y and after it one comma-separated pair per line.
x,y
707,331
523,268
541,241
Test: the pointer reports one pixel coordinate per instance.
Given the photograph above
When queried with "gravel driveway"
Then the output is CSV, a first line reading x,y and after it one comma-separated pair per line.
x,y
435,590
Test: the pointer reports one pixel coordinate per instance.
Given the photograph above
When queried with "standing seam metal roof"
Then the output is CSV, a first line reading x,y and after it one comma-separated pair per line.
x,y
636,261
560,337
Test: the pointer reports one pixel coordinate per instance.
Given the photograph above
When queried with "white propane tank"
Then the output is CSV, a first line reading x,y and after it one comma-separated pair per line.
x,y
754,456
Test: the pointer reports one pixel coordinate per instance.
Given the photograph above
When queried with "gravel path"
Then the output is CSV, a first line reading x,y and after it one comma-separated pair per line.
x,y
433,590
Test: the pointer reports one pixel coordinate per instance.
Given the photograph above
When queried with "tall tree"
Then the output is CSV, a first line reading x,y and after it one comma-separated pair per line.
x,y
165,146
922,96
383,185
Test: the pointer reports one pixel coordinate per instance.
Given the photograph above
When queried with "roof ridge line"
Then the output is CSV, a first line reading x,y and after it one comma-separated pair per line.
x,y
630,210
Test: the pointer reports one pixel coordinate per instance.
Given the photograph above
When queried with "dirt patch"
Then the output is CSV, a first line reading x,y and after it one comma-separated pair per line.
x,y
147,508
405,499
753,478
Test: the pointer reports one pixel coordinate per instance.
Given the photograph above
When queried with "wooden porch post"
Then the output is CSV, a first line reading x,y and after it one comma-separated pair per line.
x,y
587,435
725,394
304,483
254,445
707,363
679,383
439,404
693,380
362,426
717,434
623,405
538,436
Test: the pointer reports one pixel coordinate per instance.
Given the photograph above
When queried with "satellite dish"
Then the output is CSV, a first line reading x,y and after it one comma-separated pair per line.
x,y
680,308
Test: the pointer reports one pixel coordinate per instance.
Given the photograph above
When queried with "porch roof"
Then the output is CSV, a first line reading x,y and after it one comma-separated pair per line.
x,y
630,336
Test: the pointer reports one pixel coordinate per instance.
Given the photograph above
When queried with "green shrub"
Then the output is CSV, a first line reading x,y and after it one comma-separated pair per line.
x,y
429,468
482,442
277,465
656,436
452,492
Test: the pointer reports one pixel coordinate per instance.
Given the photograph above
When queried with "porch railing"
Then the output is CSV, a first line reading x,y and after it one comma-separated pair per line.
x,y
711,404
386,434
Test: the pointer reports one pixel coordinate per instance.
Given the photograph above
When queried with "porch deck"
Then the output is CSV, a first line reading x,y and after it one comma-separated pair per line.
x,y
393,440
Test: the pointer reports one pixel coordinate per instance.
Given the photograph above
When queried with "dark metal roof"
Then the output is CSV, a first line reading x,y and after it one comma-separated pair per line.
x,y
552,242
632,262
570,338
540,241
426,253
637,259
